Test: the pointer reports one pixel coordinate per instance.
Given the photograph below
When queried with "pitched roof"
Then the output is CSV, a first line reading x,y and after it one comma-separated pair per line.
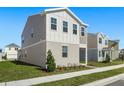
x,y
13,45
68,11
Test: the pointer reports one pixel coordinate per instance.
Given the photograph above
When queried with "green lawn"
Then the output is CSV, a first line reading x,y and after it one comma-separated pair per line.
x,y
10,71
102,64
75,81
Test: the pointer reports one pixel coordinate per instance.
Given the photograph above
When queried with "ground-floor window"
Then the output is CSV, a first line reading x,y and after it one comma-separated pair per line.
x,y
99,53
64,51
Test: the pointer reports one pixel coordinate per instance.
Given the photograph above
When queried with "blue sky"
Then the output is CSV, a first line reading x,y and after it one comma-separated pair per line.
x,y
107,20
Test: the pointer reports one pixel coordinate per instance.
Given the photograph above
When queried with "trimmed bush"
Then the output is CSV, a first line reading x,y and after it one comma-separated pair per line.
x,y
51,66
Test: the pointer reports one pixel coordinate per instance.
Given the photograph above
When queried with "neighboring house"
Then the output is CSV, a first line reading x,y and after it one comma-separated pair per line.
x,y
97,45
58,30
11,51
113,48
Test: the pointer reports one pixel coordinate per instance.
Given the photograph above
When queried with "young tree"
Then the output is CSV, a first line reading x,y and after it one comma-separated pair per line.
x,y
51,65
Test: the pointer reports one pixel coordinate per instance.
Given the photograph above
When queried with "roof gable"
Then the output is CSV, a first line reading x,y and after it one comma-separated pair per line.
x,y
13,45
103,36
68,11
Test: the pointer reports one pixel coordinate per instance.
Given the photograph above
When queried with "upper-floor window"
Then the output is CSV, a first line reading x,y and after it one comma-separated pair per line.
x,y
82,31
100,40
53,23
64,51
16,48
74,29
65,26
106,42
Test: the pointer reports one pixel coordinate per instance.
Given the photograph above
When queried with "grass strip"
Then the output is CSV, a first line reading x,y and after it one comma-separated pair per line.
x,y
75,81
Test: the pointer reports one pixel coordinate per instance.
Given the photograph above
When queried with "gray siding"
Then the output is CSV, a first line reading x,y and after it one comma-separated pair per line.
x,y
34,55
92,55
37,24
92,41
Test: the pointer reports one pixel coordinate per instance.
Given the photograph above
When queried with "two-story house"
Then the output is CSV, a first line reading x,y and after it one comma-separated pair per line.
x,y
11,51
58,30
97,46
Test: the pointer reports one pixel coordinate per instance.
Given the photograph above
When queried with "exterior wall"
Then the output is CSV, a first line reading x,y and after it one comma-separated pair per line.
x,y
11,54
35,54
115,54
59,35
1,54
101,46
73,53
37,25
92,41
92,54
34,48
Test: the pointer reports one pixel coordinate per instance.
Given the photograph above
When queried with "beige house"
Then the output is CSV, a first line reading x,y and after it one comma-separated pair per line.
x,y
97,44
59,30
11,51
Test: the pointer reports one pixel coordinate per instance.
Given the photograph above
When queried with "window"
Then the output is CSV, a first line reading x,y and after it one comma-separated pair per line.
x,y
65,26
100,40
53,23
64,51
106,42
99,53
16,48
74,29
82,31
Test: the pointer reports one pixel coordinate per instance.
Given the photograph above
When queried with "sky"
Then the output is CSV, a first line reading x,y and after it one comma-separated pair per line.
x,y
109,20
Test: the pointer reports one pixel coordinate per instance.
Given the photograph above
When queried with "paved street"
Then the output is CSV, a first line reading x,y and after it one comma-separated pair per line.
x,y
117,83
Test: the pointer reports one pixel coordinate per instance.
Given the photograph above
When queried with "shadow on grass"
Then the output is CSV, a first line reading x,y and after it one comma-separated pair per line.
x,y
22,63
27,64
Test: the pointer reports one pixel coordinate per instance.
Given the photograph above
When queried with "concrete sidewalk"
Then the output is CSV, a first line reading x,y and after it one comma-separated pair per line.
x,y
105,81
45,79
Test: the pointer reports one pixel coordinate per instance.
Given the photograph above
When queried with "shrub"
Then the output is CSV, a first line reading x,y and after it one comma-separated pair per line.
x,y
51,66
